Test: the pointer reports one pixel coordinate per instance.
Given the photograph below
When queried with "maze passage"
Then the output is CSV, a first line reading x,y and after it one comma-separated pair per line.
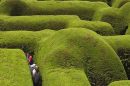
x,y
34,69
64,42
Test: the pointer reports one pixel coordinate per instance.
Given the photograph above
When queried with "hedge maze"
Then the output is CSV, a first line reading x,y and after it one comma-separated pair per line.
x,y
74,42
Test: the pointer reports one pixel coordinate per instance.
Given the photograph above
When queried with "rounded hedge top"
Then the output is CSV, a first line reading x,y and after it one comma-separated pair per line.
x,y
99,27
114,17
14,70
118,42
80,49
120,83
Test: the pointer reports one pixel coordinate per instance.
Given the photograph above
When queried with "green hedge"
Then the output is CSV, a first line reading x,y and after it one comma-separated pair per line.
x,y
122,47
118,42
125,11
99,27
120,83
14,69
75,0
52,22
84,10
35,23
25,40
12,7
119,3
78,49
114,17
128,30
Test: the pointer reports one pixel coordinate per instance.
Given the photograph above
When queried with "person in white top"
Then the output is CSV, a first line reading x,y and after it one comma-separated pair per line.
x,y
34,73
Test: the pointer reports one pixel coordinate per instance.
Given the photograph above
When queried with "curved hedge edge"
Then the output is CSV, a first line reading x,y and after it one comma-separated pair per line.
x,y
80,48
36,23
121,83
26,40
99,27
128,30
121,46
118,42
119,3
84,9
125,11
14,70
77,0
12,7
112,16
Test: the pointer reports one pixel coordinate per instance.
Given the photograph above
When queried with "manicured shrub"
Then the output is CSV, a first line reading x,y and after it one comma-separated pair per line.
x,y
128,30
119,3
114,17
122,47
76,0
25,40
12,7
77,49
14,70
35,23
120,83
99,27
84,10
118,42
52,22
125,11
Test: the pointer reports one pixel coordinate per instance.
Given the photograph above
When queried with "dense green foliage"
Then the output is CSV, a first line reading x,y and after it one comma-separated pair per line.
x,y
61,36
114,17
14,70
120,83
36,23
75,0
122,47
25,40
84,10
118,42
101,28
77,49
118,3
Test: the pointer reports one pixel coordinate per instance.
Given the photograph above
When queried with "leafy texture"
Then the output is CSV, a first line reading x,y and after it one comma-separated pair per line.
x,y
77,50
14,69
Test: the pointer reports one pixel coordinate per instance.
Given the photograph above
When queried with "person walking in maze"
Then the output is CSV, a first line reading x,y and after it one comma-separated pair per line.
x,y
30,59
34,70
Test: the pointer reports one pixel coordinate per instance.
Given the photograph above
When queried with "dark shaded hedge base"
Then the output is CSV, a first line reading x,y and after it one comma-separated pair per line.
x,y
75,43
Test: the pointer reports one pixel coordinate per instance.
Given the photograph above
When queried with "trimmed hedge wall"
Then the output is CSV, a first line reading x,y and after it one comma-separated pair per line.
x,y
119,3
99,27
75,0
122,47
80,49
35,23
128,30
52,22
118,42
84,10
25,40
12,7
114,17
14,69
125,11
120,83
